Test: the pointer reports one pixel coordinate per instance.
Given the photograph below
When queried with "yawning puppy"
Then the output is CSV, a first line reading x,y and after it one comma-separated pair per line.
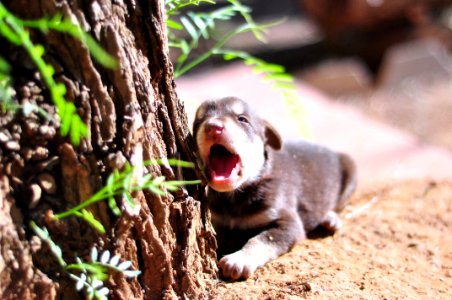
x,y
263,196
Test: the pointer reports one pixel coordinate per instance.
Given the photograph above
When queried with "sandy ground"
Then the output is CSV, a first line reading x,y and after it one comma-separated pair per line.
x,y
396,243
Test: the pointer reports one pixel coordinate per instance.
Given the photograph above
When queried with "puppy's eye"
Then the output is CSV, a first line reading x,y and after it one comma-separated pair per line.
x,y
243,119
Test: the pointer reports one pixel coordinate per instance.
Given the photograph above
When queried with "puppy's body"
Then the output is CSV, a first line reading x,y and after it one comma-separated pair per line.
x,y
260,209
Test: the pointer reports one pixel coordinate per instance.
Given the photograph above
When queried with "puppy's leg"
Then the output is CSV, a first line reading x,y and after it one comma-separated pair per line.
x,y
348,180
267,245
331,221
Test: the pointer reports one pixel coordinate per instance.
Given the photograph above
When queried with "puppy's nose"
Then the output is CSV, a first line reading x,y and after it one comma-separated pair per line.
x,y
214,128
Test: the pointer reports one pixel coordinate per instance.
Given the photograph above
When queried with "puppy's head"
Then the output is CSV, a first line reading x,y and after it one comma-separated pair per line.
x,y
232,141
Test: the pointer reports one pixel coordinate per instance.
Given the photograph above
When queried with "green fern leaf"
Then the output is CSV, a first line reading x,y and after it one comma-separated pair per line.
x,y
191,30
174,25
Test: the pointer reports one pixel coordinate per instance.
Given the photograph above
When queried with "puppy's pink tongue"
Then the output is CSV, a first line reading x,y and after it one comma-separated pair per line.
x,y
224,166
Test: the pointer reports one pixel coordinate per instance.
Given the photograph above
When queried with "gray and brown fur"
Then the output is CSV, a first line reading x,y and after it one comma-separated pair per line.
x,y
278,198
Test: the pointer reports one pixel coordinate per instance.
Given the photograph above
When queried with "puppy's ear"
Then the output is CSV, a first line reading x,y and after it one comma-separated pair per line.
x,y
272,137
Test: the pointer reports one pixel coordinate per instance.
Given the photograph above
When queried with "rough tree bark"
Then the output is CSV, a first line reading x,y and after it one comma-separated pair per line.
x,y
133,114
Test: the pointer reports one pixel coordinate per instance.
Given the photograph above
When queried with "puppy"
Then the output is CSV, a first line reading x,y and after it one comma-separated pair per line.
x,y
263,196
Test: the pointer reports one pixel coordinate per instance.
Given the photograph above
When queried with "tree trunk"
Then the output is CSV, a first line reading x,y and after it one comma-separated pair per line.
x,y
133,115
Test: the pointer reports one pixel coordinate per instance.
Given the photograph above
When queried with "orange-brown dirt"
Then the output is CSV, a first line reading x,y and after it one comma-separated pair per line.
x,y
396,243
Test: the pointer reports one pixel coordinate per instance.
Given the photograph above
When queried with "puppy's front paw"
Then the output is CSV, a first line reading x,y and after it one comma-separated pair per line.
x,y
331,222
237,265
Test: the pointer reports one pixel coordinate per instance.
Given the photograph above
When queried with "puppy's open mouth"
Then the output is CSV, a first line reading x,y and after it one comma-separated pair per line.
x,y
224,165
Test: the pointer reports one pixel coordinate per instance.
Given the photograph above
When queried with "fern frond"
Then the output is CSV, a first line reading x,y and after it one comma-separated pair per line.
x,y
199,25
15,31
123,184
90,275
173,7
60,24
280,81
245,11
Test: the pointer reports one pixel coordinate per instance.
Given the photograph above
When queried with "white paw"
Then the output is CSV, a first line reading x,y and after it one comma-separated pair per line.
x,y
238,265
332,222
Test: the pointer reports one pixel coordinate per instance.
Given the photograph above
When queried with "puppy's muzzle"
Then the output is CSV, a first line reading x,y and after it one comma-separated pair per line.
x,y
221,159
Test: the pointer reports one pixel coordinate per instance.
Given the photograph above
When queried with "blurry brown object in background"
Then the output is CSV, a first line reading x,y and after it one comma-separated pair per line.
x,y
338,16
367,28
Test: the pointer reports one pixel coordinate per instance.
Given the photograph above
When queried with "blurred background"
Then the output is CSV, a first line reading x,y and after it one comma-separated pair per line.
x,y
373,78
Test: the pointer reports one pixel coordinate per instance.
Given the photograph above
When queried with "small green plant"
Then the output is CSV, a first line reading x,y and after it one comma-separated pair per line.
x,y
90,275
15,31
273,74
199,25
122,184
